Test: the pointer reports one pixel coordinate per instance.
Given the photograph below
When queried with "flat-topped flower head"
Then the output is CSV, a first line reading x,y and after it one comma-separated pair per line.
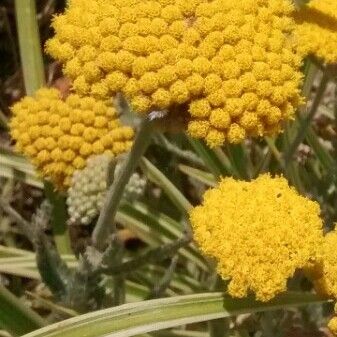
x,y
59,135
316,30
259,232
229,66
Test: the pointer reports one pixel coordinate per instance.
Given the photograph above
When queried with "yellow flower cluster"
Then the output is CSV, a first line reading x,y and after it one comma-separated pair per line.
x,y
58,136
230,64
259,233
316,30
324,274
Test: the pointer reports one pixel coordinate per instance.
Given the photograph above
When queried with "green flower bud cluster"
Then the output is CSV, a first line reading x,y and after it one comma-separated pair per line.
x,y
89,186
135,187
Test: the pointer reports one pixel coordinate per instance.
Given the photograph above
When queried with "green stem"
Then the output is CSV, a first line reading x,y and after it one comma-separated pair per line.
x,y
272,146
291,170
30,46
15,316
58,219
106,218
183,154
305,122
151,256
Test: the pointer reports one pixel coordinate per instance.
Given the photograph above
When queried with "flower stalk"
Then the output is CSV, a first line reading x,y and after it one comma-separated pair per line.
x,y
105,222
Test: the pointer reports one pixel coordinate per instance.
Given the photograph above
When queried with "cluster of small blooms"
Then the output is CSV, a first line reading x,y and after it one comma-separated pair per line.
x,y
87,190
89,186
58,136
324,273
230,64
135,188
316,30
260,241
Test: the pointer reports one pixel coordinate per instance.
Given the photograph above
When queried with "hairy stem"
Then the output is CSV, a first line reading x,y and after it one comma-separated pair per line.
x,y
105,222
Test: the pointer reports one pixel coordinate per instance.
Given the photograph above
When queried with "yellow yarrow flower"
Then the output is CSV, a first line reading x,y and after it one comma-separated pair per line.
x,y
230,67
259,232
324,273
316,30
59,135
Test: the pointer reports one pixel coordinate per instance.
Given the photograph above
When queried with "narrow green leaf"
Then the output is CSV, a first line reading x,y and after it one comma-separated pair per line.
x,y
156,228
154,315
172,192
25,266
322,154
239,160
15,316
202,176
52,306
180,281
15,167
13,252
304,121
210,158
30,46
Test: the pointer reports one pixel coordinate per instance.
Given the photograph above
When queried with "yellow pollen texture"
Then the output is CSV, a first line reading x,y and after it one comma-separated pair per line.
x,y
216,61
316,30
324,273
259,232
59,136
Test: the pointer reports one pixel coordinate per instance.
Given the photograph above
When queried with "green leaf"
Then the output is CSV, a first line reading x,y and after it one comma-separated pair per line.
x,y
154,315
30,45
23,263
13,252
210,158
156,228
172,192
15,316
322,154
202,176
16,167
240,163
